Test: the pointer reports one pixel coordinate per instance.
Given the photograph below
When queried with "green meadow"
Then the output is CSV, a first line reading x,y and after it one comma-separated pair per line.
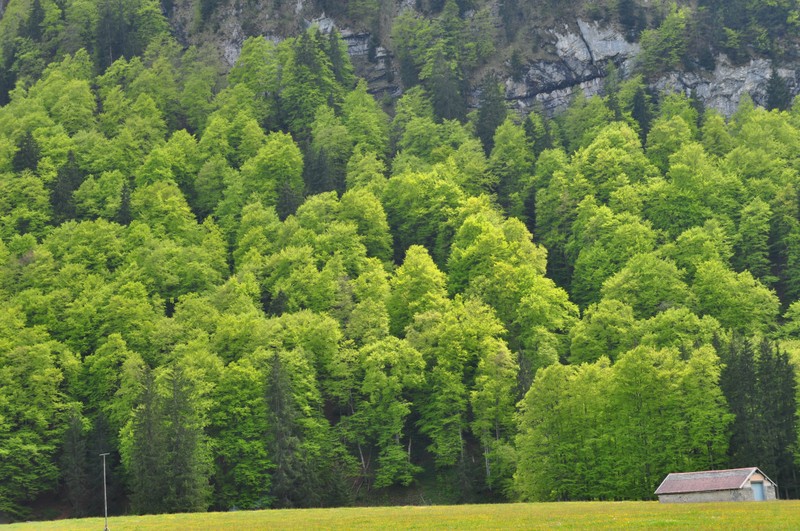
x,y
565,515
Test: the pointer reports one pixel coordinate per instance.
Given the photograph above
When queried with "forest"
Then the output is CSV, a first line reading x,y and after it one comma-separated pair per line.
x,y
264,287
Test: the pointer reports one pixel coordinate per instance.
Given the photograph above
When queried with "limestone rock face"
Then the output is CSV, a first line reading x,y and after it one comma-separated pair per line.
x,y
723,88
578,54
606,43
583,54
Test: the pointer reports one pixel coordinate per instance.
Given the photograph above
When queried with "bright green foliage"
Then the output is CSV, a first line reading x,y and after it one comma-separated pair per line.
x,y
393,370
696,190
257,68
417,206
652,402
367,125
649,413
605,330
666,136
677,104
512,165
737,300
238,422
605,242
32,402
275,174
561,434
583,120
648,284
413,104
493,404
452,341
715,135
676,328
417,286
613,159
664,48
697,245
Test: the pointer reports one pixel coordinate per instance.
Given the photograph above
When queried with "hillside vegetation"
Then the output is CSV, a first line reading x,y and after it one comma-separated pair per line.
x,y
257,289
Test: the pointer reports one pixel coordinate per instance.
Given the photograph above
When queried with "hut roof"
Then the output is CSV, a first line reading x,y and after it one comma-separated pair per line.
x,y
680,482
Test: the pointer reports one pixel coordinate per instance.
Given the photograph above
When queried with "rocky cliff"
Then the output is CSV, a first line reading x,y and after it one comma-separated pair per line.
x,y
575,53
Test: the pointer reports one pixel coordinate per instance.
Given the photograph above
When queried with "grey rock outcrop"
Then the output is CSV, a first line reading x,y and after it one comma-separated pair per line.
x,y
723,88
579,53
582,56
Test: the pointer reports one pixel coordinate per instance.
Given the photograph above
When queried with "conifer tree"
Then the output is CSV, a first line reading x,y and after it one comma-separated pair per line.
x,y
491,111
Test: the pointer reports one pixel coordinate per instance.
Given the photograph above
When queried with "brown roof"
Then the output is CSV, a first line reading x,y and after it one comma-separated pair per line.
x,y
735,478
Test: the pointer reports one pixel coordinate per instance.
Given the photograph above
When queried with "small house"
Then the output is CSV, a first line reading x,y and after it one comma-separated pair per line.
x,y
738,484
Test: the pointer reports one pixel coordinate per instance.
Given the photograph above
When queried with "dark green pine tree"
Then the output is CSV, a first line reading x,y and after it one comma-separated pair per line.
x,y
113,35
124,215
288,200
68,179
293,480
167,7
537,130
340,60
149,479
33,26
738,381
27,155
641,111
74,465
777,407
317,174
778,94
491,110
444,86
760,390
8,76
188,462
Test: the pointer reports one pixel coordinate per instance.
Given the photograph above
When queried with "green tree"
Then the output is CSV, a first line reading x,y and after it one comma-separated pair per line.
x,y
666,136
491,111
238,427
778,94
752,251
257,68
664,48
33,398
737,300
417,286
393,370
605,330
583,120
493,402
367,124
648,284
307,81
275,174
418,206
511,163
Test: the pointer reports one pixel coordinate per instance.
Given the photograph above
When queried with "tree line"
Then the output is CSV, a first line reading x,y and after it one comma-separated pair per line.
x,y
259,290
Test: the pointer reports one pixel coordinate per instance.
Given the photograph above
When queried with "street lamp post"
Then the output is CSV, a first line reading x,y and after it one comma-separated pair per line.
x,y
105,496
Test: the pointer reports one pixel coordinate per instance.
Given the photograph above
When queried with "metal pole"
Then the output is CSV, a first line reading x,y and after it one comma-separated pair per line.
x,y
105,496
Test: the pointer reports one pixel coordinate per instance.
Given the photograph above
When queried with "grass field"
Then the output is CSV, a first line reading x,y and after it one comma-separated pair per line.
x,y
581,515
